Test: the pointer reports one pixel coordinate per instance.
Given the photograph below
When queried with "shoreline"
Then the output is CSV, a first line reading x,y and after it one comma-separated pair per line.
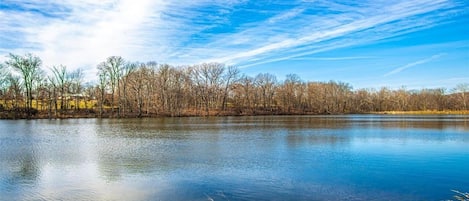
x,y
5,115
424,112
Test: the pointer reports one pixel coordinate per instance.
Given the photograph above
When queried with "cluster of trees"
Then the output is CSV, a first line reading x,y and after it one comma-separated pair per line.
x,y
134,89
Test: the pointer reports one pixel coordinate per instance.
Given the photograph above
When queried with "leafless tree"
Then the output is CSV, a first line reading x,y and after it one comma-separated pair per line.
x,y
126,71
60,80
76,81
28,66
112,68
267,84
462,90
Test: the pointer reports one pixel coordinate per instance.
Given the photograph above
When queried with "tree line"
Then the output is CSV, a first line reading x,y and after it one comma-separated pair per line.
x,y
136,89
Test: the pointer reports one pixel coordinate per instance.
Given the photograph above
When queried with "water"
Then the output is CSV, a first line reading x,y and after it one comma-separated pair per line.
x,y
362,157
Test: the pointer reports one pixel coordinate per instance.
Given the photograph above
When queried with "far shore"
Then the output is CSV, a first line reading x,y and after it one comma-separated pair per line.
x,y
80,115
425,112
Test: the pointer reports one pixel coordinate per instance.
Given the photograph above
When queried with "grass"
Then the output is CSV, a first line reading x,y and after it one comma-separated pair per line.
x,y
42,105
426,112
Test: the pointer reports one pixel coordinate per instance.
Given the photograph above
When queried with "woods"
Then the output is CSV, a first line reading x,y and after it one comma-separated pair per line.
x,y
134,89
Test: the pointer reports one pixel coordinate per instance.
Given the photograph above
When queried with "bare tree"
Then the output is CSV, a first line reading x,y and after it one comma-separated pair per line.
x,y
230,77
126,71
147,89
60,81
28,66
266,83
102,90
49,89
289,92
244,91
3,86
151,86
462,90
137,84
163,86
76,80
15,90
176,96
207,76
89,93
112,68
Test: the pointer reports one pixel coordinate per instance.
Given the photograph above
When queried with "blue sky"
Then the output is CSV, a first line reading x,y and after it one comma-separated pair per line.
x,y
375,43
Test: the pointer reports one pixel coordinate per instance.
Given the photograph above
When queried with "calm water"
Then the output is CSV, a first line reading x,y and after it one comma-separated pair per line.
x,y
235,158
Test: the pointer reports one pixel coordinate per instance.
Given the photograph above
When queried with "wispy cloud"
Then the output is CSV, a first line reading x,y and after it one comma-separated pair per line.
x,y
416,63
351,25
83,33
239,32
331,58
286,15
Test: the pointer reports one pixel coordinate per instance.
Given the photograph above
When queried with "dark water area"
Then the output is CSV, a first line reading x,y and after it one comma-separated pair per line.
x,y
351,157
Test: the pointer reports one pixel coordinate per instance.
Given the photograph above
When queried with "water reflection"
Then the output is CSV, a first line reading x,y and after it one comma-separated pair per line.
x,y
316,139
24,160
28,170
360,157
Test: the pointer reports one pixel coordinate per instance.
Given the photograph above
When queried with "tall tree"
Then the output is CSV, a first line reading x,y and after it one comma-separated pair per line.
x,y
230,77
127,69
28,66
163,78
462,90
15,90
246,89
60,81
137,85
102,90
207,77
266,83
76,79
4,85
290,96
112,68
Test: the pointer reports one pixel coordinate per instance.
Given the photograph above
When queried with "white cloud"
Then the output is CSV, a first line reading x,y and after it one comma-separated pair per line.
x,y
83,33
86,33
317,29
412,64
331,58
286,15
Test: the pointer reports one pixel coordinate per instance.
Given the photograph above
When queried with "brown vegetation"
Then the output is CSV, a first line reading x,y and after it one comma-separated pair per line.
x,y
127,89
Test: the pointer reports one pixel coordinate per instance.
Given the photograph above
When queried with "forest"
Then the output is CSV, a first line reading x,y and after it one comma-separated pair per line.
x,y
135,89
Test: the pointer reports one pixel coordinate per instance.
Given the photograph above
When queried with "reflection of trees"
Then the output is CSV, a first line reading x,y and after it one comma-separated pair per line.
x,y
419,122
162,145
134,146
412,124
158,145
21,159
113,166
114,162
118,155
315,139
28,168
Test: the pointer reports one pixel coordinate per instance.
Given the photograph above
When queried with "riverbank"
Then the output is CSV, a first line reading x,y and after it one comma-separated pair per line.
x,y
80,115
425,112
92,114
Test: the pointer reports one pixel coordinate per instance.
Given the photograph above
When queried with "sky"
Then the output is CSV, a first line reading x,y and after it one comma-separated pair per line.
x,y
368,44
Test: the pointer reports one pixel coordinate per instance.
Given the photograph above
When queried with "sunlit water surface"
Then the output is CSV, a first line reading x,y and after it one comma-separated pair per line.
x,y
362,157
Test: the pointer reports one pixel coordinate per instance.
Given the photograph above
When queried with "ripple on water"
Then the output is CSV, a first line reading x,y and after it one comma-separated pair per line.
x,y
353,157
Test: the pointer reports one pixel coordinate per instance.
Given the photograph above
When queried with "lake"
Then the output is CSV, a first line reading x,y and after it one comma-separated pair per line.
x,y
350,157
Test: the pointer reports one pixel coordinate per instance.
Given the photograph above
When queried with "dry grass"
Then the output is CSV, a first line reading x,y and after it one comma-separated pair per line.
x,y
42,105
426,112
